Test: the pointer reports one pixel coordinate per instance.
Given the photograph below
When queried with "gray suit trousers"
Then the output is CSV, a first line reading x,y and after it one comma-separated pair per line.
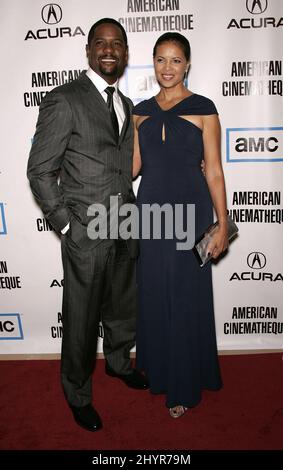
x,y
99,284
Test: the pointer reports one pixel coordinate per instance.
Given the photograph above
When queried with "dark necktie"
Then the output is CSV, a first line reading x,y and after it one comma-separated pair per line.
x,y
110,90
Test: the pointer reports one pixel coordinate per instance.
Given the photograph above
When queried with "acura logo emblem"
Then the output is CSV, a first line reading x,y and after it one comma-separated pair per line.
x,y
256,7
256,260
51,13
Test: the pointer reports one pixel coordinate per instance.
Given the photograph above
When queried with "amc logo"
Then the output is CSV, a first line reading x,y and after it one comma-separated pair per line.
x,y
139,82
254,144
3,226
11,326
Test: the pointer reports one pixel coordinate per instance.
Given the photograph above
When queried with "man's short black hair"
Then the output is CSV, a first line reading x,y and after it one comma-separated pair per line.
x,y
103,21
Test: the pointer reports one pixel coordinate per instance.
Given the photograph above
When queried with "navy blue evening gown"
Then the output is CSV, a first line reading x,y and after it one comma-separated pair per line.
x,y
176,340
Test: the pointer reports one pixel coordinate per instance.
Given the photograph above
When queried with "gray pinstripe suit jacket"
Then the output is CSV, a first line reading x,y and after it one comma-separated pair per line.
x,y
75,140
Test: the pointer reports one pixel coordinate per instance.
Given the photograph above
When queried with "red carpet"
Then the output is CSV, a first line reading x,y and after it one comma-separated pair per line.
x,y
246,414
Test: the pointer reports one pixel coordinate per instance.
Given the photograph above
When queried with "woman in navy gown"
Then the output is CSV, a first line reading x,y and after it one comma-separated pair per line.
x,y
174,131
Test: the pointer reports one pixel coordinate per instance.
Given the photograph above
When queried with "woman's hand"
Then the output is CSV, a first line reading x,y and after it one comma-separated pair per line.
x,y
219,242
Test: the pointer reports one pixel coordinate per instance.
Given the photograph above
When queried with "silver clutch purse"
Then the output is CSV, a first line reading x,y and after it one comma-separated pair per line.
x,y
200,248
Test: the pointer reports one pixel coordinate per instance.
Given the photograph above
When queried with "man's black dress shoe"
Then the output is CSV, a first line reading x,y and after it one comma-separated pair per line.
x,y
87,417
133,380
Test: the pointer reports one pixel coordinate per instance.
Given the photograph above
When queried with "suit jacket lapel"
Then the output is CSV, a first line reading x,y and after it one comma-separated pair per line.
x,y
97,99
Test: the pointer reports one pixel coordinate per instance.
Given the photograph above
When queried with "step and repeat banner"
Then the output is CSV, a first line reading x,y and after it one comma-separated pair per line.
x,y
237,62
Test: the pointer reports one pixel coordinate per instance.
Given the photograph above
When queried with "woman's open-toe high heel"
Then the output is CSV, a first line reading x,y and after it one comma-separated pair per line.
x,y
177,411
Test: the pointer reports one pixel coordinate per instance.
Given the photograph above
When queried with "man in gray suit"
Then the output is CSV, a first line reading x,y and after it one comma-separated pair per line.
x,y
84,136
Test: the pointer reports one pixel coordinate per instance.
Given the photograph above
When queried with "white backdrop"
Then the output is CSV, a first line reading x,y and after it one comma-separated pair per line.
x,y
237,62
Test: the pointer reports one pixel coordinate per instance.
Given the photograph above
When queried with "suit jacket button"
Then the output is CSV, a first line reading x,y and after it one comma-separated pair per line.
x,y
120,171
119,147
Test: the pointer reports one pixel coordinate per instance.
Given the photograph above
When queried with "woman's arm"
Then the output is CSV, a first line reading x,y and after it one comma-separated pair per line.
x,y
215,180
137,156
